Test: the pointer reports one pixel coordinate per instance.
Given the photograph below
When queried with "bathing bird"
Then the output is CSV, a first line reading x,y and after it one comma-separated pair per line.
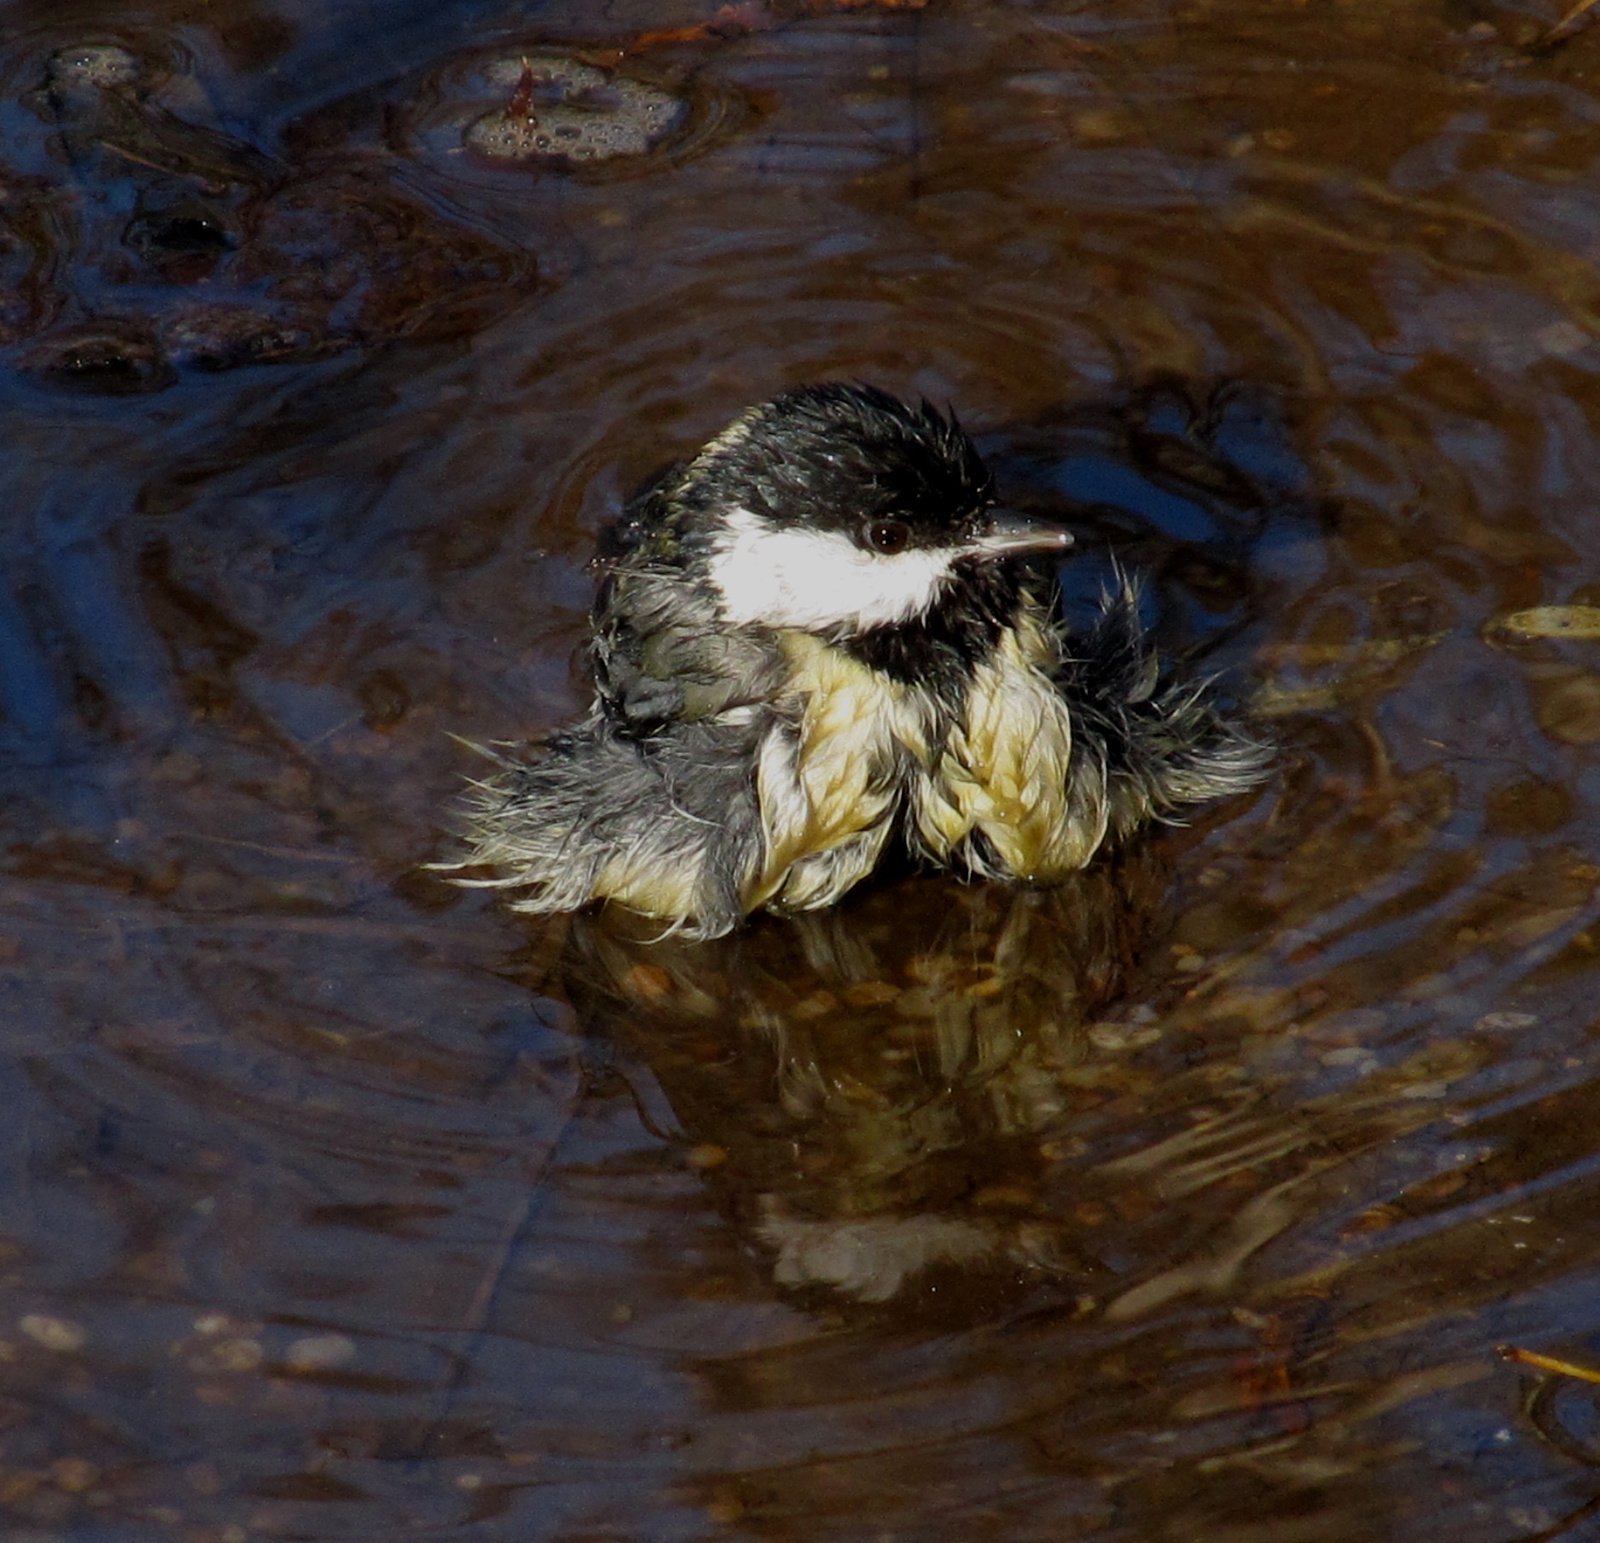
x,y
818,641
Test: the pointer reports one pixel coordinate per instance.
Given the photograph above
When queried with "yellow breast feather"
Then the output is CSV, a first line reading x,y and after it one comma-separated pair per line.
x,y
829,785
1006,771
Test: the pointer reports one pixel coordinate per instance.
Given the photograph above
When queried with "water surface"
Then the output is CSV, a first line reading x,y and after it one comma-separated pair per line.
x,y
1187,1201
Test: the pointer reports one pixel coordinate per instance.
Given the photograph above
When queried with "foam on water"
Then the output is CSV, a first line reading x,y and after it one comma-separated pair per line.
x,y
577,114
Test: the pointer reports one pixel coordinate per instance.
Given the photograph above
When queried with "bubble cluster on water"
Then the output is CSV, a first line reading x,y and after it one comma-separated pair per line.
x,y
575,113
562,78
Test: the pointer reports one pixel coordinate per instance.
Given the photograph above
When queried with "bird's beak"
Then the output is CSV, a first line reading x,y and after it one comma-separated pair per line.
x,y
1010,535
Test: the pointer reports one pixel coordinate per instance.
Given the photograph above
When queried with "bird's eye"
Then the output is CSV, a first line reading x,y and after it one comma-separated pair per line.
x,y
887,536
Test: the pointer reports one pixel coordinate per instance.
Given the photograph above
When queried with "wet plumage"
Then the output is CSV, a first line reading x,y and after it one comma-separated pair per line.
x,y
818,640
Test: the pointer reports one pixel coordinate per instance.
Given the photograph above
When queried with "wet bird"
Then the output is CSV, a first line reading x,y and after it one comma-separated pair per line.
x,y
819,639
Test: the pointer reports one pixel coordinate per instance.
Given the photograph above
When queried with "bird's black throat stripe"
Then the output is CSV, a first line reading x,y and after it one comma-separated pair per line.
x,y
940,651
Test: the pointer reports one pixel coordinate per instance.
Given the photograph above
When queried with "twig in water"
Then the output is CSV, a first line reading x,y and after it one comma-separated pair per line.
x,y
1577,18
1548,1363
520,108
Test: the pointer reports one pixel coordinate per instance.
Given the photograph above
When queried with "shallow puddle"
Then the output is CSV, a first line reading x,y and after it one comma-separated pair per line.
x,y
1190,1200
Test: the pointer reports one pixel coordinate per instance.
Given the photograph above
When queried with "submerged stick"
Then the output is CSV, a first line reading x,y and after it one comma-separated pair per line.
x,y
1579,16
1548,1363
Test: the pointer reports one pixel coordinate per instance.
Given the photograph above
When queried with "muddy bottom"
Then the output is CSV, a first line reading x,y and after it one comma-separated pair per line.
x,y
1188,1201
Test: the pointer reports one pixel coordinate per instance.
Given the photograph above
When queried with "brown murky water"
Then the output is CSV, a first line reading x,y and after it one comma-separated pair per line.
x,y
1188,1202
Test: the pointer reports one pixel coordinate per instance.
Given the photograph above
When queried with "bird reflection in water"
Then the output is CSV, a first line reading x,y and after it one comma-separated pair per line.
x,y
875,1094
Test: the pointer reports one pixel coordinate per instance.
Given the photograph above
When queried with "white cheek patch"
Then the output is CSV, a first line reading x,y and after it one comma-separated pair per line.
x,y
814,580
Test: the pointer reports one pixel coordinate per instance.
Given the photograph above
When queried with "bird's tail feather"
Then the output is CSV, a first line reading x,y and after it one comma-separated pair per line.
x,y
1164,746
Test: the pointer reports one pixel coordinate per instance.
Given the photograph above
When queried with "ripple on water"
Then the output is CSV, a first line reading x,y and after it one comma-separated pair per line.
x,y
146,237
1189,1200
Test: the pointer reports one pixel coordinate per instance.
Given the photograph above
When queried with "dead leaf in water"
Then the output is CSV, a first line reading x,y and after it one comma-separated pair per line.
x,y
1359,665
1275,701
1550,621
1571,711
1310,656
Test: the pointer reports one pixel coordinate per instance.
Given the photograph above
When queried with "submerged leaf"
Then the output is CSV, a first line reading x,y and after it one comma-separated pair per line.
x,y
1356,666
1370,651
1551,621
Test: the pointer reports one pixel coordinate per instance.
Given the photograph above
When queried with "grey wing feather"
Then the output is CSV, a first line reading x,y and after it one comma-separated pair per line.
x,y
674,803
661,655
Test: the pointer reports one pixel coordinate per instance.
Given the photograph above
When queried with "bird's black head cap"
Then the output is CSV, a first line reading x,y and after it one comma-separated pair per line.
x,y
842,457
